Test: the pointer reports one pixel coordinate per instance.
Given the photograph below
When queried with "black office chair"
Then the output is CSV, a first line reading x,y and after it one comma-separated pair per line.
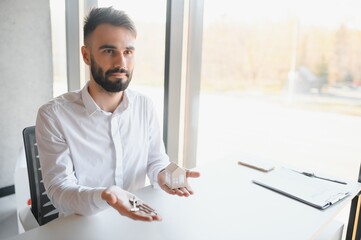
x,y
41,206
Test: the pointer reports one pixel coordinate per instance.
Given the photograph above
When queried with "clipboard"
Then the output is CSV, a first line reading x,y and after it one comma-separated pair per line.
x,y
315,192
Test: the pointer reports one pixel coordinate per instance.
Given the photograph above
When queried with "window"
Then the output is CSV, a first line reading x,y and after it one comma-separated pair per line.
x,y
57,11
181,179
281,80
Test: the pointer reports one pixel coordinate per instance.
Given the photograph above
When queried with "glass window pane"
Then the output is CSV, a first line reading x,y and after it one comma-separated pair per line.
x,y
282,82
57,11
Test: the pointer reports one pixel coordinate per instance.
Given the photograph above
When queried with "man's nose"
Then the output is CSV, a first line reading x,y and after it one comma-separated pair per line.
x,y
120,61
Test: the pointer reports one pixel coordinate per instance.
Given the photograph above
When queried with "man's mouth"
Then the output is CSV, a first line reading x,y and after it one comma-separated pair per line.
x,y
118,72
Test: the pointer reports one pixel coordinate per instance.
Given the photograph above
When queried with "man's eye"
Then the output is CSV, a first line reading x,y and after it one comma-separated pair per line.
x,y
108,51
128,52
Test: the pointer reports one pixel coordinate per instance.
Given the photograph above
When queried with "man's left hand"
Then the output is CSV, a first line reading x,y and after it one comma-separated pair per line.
x,y
183,191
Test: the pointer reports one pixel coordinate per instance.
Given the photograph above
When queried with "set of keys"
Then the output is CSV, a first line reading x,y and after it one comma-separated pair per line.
x,y
138,205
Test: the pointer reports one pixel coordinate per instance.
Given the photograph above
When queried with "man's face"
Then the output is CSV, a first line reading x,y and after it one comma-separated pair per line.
x,y
121,79
111,53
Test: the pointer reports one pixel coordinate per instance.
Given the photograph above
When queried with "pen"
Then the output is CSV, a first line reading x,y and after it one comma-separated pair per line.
x,y
315,176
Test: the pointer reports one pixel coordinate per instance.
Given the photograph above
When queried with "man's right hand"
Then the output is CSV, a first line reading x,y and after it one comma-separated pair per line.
x,y
119,199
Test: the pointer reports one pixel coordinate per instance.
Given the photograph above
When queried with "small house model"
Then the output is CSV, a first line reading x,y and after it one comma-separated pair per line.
x,y
175,176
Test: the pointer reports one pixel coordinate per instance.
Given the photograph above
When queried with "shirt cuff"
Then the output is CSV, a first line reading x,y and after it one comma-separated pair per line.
x,y
97,198
155,177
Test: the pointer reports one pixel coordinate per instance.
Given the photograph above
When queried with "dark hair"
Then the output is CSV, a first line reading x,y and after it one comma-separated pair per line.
x,y
108,15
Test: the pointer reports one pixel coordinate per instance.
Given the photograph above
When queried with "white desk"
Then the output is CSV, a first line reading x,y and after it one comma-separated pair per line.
x,y
226,205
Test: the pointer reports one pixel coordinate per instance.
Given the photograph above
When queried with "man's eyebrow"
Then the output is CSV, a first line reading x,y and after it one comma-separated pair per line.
x,y
130,48
107,46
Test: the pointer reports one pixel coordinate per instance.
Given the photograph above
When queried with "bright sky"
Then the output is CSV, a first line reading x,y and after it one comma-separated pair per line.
x,y
326,13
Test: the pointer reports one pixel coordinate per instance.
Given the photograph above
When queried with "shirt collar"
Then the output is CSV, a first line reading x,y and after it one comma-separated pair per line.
x,y
123,105
92,107
88,101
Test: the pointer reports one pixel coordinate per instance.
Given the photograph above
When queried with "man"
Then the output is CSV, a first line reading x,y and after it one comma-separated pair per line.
x,y
96,145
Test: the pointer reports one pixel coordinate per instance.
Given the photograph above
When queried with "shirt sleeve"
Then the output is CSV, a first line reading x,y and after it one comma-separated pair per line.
x,y
157,157
58,173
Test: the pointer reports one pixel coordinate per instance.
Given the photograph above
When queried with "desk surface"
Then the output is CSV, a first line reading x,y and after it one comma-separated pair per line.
x,y
226,205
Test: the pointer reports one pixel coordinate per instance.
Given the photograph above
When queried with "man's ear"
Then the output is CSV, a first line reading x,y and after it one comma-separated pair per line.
x,y
86,54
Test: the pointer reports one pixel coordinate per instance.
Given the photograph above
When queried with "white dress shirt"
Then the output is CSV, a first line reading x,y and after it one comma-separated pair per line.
x,y
84,149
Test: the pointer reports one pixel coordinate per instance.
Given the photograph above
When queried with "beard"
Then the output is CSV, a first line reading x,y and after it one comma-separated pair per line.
x,y
102,79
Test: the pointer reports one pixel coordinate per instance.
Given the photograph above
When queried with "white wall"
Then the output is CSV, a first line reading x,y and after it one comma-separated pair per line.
x,y
25,74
